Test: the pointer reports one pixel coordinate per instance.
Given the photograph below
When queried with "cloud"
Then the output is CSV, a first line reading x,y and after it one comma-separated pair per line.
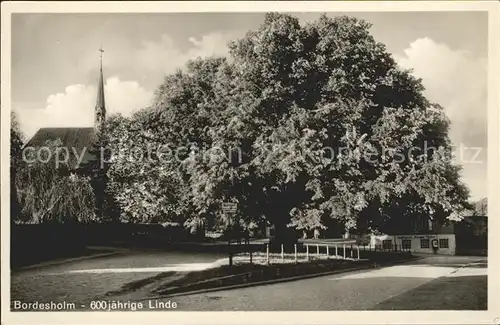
x,y
457,81
164,56
151,60
75,106
126,96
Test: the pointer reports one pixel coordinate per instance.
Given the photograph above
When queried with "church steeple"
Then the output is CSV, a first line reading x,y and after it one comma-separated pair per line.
x,y
100,106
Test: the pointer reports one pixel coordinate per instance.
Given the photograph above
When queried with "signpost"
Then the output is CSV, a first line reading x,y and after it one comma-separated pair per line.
x,y
229,208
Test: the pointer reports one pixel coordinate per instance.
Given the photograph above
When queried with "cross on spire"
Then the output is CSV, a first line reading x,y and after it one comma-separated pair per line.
x,y
100,54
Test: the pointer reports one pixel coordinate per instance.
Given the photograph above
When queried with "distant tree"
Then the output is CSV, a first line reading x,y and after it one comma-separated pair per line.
x,y
304,123
481,207
16,144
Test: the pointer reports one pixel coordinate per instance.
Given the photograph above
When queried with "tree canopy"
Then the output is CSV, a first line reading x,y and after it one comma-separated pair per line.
x,y
300,124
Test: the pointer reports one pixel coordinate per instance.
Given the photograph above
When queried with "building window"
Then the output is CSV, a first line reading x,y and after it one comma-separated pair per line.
x,y
443,243
406,244
387,244
425,243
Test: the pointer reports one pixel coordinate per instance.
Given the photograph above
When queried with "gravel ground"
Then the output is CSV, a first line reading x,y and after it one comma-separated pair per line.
x,y
57,283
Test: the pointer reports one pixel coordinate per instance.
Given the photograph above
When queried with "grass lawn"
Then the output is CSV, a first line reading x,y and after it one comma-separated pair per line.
x,y
243,272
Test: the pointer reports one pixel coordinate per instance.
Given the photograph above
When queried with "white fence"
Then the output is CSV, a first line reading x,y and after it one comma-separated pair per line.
x,y
298,253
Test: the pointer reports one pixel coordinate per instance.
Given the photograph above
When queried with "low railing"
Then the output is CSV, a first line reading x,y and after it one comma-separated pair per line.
x,y
305,252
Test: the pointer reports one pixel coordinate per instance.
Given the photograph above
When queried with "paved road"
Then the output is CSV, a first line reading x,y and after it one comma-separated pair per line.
x,y
364,290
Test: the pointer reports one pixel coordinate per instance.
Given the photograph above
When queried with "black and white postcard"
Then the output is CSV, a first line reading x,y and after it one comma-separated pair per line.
x,y
332,161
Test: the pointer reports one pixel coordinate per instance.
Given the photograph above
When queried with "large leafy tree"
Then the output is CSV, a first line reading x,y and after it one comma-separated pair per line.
x,y
143,180
303,124
107,208
155,151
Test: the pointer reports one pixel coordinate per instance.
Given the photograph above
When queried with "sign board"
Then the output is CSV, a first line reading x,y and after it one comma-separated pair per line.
x,y
229,207
417,237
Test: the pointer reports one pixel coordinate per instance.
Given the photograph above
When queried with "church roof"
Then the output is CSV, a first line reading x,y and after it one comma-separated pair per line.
x,y
77,141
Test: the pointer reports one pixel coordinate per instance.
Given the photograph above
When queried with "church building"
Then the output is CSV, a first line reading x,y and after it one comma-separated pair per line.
x,y
82,146
79,141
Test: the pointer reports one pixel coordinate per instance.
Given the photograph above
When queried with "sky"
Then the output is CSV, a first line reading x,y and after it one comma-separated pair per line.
x,y
55,63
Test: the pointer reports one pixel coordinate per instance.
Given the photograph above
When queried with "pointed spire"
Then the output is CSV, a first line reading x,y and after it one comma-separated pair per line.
x,y
100,87
100,106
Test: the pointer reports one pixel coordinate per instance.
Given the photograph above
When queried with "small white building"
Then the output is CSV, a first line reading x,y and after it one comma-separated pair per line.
x,y
422,243
428,237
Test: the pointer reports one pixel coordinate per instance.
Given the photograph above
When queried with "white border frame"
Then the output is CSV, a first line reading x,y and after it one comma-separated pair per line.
x,y
492,316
